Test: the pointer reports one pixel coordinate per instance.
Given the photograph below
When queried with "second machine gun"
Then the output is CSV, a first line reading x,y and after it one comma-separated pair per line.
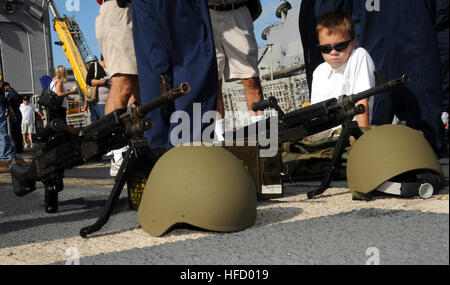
x,y
322,116
66,147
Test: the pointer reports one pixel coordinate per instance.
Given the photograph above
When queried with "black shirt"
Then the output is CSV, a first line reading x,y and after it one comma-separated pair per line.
x,y
91,73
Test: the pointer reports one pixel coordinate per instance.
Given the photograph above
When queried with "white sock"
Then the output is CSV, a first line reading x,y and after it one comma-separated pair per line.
x,y
118,153
255,119
219,129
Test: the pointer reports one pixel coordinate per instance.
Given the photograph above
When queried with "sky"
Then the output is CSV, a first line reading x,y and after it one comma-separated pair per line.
x,y
87,11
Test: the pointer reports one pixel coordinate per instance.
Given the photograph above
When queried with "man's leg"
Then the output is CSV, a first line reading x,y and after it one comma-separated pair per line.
x,y
7,150
219,128
30,139
124,89
254,94
184,27
24,137
220,108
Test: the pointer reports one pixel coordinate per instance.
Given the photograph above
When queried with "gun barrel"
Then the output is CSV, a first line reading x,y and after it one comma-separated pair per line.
x,y
271,102
182,89
379,89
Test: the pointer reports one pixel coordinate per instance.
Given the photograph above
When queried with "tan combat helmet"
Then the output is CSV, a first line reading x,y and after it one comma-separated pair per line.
x,y
394,159
206,187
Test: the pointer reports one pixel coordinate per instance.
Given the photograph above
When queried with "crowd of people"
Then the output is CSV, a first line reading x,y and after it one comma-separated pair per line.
x,y
206,42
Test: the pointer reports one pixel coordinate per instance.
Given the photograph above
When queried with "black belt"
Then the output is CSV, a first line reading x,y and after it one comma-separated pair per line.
x,y
121,3
226,7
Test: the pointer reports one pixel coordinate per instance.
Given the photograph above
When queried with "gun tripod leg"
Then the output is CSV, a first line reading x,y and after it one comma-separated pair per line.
x,y
127,164
348,129
53,185
50,200
337,155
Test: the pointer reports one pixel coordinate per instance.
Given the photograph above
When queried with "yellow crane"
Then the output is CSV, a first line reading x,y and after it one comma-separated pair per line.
x,y
73,44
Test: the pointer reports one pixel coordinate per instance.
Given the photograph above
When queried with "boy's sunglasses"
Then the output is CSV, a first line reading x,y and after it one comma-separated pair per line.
x,y
338,47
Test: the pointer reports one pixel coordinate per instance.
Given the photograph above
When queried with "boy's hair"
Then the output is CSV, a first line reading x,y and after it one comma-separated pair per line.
x,y
336,21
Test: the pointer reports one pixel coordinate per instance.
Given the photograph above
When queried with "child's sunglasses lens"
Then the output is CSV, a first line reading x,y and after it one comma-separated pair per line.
x,y
338,47
341,46
325,49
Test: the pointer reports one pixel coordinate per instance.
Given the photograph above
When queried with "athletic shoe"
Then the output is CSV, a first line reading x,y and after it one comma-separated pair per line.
x,y
115,167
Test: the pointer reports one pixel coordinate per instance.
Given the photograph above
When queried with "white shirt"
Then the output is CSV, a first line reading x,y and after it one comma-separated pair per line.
x,y
53,88
353,77
27,112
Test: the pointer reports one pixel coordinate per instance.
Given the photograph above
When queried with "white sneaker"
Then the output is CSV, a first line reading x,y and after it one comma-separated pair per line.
x,y
115,167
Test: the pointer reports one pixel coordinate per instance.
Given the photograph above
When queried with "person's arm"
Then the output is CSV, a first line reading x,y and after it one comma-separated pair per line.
x,y
363,119
13,114
40,114
60,91
96,82
364,78
90,77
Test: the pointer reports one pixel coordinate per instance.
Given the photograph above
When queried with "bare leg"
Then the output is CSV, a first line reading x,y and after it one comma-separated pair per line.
x,y
124,89
24,136
220,109
254,94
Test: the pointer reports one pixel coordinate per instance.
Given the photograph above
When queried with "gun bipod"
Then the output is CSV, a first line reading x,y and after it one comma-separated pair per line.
x,y
138,150
349,128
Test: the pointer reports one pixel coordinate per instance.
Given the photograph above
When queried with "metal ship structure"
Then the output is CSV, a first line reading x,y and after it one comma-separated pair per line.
x,y
281,66
25,44
26,51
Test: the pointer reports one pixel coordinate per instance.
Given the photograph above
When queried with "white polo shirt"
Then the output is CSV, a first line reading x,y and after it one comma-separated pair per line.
x,y
355,76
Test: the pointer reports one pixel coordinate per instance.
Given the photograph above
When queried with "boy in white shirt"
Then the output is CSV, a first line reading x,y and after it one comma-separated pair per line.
x,y
27,109
346,70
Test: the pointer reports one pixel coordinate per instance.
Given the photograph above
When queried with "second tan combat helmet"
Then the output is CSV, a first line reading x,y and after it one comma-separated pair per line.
x,y
206,187
394,159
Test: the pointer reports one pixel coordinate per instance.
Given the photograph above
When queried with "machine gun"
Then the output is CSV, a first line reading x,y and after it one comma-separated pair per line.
x,y
322,116
66,147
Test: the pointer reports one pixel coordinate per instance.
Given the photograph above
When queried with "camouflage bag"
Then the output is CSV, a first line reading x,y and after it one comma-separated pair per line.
x,y
304,160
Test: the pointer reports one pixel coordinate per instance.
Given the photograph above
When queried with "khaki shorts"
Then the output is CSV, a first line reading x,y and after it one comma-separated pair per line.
x,y
28,128
236,47
114,32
